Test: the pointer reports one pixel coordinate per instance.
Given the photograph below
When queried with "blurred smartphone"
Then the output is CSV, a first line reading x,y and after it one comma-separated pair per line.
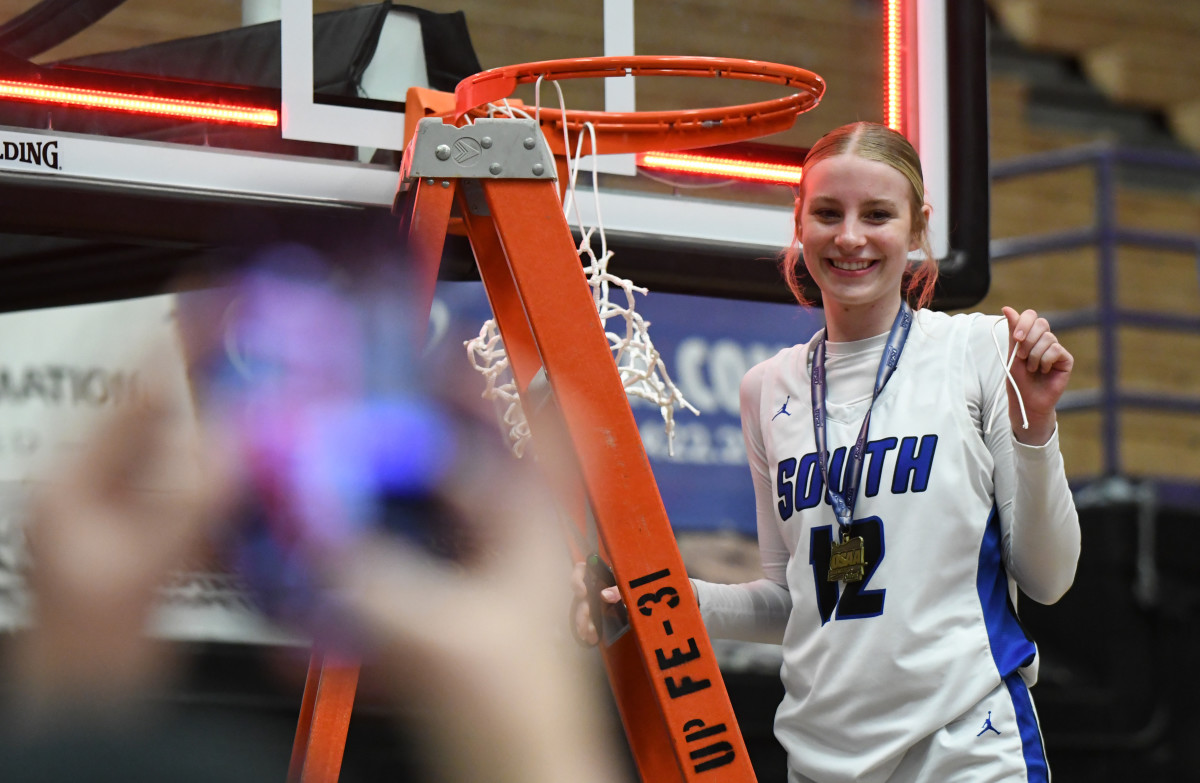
x,y
315,376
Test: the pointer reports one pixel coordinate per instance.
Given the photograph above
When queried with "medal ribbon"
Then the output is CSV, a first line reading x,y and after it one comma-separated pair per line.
x,y
843,502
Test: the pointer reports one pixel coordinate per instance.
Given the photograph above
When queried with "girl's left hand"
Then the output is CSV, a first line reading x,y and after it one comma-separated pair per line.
x,y
1041,372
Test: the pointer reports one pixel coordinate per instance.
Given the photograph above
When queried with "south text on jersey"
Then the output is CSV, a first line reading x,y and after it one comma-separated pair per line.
x,y
907,462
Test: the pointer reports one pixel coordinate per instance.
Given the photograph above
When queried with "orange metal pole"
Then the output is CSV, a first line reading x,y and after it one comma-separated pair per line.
x,y
633,525
502,294
649,740
330,721
426,215
304,724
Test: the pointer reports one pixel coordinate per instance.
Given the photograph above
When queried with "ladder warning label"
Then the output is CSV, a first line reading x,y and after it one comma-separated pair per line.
x,y
656,601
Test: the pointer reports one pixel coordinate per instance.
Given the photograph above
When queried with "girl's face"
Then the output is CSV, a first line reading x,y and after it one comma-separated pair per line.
x,y
856,228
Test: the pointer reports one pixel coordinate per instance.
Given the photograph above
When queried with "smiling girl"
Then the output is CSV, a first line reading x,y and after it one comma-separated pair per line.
x,y
915,490
905,503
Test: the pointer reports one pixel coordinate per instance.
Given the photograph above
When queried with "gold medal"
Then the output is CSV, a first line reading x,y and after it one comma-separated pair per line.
x,y
847,560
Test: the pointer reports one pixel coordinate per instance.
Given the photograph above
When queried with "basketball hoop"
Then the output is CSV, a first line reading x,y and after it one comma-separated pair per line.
x,y
646,131
642,370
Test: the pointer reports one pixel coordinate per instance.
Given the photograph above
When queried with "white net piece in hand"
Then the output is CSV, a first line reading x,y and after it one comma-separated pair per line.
x,y
639,364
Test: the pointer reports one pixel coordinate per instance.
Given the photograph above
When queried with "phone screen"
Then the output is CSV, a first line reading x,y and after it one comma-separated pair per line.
x,y
315,378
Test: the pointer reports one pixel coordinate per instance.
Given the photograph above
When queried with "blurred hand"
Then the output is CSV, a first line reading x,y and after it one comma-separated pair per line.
x,y
142,495
481,642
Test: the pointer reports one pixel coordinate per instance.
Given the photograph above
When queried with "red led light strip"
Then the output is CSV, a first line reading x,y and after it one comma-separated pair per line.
x,y
138,104
893,66
689,163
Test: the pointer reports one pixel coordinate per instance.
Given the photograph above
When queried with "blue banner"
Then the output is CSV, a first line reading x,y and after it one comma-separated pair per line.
x,y
707,345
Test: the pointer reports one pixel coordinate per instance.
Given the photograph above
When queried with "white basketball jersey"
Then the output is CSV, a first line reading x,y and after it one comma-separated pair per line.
x,y
872,667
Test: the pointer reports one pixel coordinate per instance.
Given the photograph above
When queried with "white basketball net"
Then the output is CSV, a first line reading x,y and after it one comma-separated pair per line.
x,y
639,363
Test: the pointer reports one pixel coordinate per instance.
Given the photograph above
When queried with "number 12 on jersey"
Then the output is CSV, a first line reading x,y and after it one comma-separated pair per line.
x,y
850,600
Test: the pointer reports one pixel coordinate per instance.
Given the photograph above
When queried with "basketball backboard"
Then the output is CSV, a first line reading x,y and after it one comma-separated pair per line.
x,y
695,234
326,170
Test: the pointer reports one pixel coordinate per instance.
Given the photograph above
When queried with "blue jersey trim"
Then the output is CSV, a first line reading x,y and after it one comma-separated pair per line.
x,y
1037,771
1011,647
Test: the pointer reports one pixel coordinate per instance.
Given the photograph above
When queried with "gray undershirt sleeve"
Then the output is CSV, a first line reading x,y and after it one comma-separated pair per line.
x,y
752,612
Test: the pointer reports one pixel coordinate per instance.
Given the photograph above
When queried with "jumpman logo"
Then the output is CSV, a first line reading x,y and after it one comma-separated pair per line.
x,y
783,410
987,725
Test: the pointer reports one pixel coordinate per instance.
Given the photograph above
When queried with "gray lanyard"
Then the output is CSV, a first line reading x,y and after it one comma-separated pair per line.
x,y
843,502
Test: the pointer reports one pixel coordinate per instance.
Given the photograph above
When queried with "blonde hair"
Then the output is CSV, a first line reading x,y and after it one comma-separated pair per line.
x,y
876,142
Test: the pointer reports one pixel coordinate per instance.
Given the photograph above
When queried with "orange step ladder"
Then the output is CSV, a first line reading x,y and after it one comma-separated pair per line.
x,y
500,175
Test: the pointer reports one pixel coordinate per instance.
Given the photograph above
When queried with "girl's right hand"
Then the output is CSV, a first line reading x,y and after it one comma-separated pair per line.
x,y
583,623
1041,373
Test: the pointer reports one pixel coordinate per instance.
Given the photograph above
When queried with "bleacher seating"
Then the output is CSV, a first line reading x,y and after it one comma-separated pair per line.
x,y
1153,443
1140,53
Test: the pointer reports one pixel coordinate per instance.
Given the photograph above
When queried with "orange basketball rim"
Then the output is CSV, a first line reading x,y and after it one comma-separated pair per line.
x,y
645,131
